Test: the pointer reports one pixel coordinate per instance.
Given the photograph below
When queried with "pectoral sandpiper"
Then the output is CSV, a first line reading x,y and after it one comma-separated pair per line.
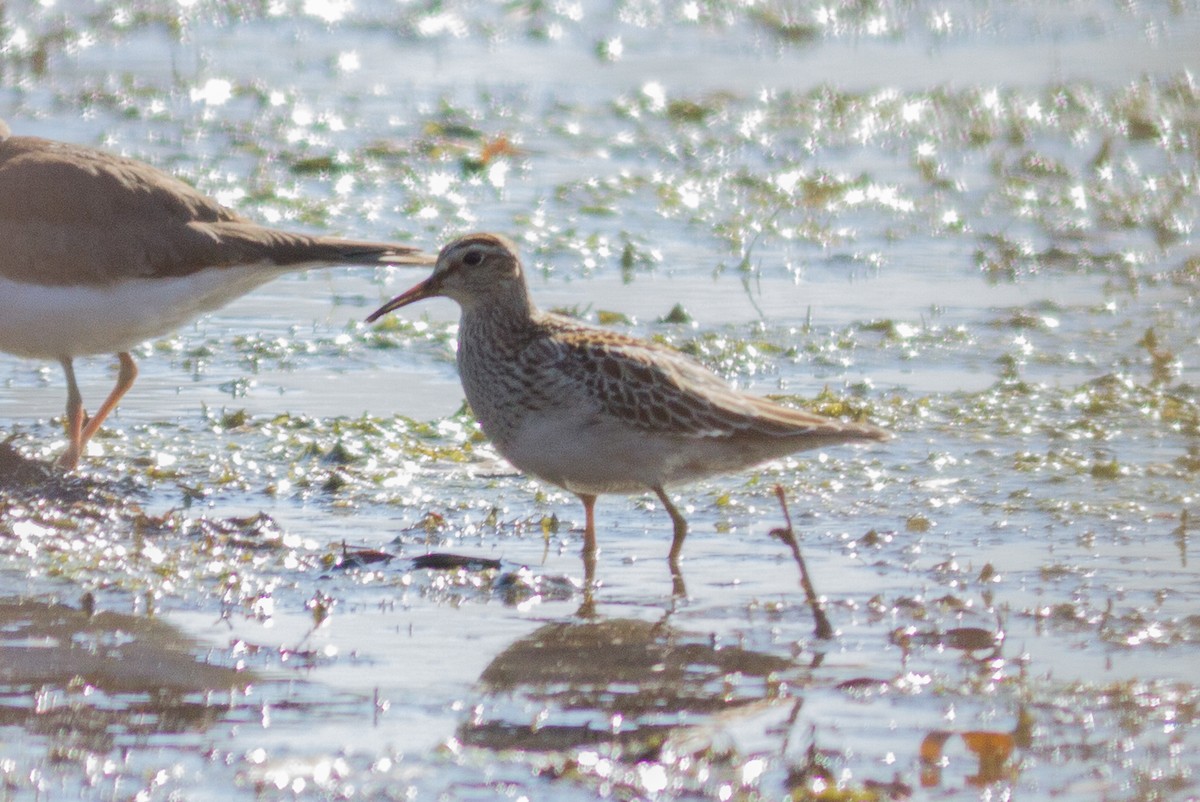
x,y
594,411
102,252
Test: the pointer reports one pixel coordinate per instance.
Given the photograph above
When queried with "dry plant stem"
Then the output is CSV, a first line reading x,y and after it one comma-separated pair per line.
x,y
823,629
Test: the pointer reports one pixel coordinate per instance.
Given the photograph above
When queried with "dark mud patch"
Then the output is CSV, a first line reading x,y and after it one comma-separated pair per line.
x,y
24,476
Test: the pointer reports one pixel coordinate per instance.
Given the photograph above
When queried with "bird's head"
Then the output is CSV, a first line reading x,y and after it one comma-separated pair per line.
x,y
472,270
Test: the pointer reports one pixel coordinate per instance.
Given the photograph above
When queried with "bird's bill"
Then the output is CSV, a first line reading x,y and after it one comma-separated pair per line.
x,y
426,289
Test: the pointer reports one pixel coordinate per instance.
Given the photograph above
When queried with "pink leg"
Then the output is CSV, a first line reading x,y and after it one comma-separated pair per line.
x,y
125,379
75,415
81,429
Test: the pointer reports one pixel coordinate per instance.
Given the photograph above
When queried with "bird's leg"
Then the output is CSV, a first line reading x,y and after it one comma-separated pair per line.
x,y
125,378
678,520
75,415
588,608
589,538
679,589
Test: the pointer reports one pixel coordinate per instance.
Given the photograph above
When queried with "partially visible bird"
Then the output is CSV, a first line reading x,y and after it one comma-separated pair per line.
x,y
99,253
593,411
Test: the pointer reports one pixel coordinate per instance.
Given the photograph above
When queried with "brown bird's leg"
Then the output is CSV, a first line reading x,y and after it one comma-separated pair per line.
x,y
588,608
75,415
125,378
679,589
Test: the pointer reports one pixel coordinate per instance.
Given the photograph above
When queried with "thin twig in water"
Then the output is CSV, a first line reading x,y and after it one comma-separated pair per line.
x,y
748,270
823,629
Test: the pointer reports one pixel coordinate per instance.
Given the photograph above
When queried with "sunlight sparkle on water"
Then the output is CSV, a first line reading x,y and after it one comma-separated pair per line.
x,y
885,196
751,122
29,529
752,770
912,111
444,23
498,173
214,92
18,40
440,183
690,194
328,10
656,95
941,23
1079,198
653,777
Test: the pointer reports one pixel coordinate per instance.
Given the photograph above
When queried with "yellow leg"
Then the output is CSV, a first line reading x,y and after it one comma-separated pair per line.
x,y
588,608
589,538
680,525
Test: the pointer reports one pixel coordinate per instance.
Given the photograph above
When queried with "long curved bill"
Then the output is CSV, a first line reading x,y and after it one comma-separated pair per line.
x,y
426,289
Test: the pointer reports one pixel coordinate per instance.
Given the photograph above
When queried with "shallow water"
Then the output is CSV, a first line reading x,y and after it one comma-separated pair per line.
x,y
972,223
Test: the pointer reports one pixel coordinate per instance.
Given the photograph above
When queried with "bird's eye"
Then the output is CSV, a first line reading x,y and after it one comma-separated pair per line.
x,y
472,258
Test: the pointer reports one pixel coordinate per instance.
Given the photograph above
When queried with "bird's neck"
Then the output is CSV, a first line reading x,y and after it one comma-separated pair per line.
x,y
495,327
491,342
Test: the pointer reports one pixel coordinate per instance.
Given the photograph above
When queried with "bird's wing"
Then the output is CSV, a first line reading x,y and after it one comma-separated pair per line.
x,y
136,221
70,184
659,389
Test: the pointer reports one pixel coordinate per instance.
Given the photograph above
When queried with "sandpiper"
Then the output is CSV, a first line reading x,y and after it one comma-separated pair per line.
x,y
100,253
594,411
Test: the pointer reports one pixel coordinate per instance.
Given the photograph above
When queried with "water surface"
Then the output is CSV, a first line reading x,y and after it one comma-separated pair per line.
x,y
970,222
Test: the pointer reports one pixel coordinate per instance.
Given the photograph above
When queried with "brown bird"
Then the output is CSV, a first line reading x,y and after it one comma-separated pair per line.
x,y
593,411
101,253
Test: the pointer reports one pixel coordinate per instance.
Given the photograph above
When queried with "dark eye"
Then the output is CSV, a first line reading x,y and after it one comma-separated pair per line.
x,y
472,258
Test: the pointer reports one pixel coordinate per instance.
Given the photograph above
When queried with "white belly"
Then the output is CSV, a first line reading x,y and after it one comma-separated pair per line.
x,y
53,322
609,458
